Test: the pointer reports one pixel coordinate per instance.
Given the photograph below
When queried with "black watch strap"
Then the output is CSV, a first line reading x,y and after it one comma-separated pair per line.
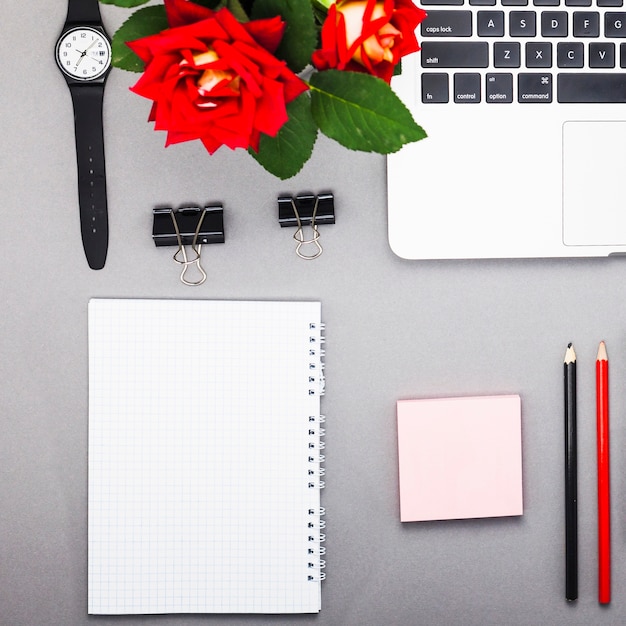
x,y
83,11
92,194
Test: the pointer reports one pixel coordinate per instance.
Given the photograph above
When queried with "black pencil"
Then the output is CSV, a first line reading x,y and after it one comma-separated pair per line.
x,y
571,477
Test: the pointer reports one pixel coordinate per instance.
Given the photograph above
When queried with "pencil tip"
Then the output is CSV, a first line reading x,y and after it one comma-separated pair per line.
x,y
602,354
570,355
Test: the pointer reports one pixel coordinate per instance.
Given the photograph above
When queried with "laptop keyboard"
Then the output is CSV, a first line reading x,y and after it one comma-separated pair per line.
x,y
524,51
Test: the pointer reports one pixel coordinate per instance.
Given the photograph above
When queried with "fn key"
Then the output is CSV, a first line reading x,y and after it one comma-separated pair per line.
x,y
435,88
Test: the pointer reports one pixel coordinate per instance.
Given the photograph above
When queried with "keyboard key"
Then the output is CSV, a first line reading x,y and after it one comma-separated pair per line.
x,y
622,55
514,3
539,54
490,24
586,24
546,3
482,3
449,23
591,87
610,3
615,24
522,23
435,88
601,54
506,54
442,2
577,3
499,88
554,24
466,88
569,54
534,88
455,54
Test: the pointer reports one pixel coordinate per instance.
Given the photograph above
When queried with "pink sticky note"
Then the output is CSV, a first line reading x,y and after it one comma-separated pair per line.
x,y
460,457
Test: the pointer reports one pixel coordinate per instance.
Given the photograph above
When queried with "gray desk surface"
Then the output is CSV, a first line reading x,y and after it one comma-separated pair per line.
x,y
395,329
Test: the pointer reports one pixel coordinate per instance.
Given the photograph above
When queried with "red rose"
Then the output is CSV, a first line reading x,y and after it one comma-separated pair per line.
x,y
368,36
214,79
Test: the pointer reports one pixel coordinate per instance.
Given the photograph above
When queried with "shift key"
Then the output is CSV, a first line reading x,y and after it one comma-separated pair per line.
x,y
455,54
447,24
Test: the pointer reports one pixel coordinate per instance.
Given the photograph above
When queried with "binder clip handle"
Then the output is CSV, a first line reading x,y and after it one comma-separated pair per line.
x,y
187,264
299,237
181,252
188,227
307,209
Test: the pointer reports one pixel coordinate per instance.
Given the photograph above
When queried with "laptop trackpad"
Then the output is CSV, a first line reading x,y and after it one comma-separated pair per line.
x,y
594,183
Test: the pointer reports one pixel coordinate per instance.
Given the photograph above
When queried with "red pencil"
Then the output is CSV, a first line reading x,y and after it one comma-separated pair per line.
x,y
604,514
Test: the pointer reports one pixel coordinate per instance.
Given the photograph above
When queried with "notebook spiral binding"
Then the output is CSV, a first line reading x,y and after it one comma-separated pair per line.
x,y
316,471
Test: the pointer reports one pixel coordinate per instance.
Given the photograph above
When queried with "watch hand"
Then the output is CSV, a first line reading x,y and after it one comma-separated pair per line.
x,y
83,53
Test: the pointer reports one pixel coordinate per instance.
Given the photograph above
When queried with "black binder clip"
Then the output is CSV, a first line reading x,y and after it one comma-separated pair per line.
x,y
303,210
188,226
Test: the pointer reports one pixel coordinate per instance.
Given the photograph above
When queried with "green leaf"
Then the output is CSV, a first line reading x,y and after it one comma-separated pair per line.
x,y
246,5
142,23
361,112
285,154
210,4
234,6
323,5
126,4
300,38
320,12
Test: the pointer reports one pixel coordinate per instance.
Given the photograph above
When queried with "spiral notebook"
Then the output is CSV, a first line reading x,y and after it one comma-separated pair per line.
x,y
205,457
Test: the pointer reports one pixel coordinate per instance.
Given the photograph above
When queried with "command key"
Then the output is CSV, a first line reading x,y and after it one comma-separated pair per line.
x,y
534,88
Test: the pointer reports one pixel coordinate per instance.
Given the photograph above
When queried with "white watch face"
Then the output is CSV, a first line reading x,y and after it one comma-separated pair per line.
x,y
83,53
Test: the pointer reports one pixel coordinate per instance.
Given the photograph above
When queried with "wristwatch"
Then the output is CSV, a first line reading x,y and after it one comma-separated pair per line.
x,y
83,53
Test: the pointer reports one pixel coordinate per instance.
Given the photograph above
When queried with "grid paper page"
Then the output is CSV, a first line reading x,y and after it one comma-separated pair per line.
x,y
200,457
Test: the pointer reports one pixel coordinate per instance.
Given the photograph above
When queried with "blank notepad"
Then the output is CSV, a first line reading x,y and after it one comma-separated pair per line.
x,y
460,457
204,462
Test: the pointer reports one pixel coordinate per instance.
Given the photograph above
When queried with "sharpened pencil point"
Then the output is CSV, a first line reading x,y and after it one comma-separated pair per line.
x,y
570,355
602,355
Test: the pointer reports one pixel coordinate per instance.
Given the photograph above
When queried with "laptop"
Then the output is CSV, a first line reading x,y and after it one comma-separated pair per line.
x,y
524,104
